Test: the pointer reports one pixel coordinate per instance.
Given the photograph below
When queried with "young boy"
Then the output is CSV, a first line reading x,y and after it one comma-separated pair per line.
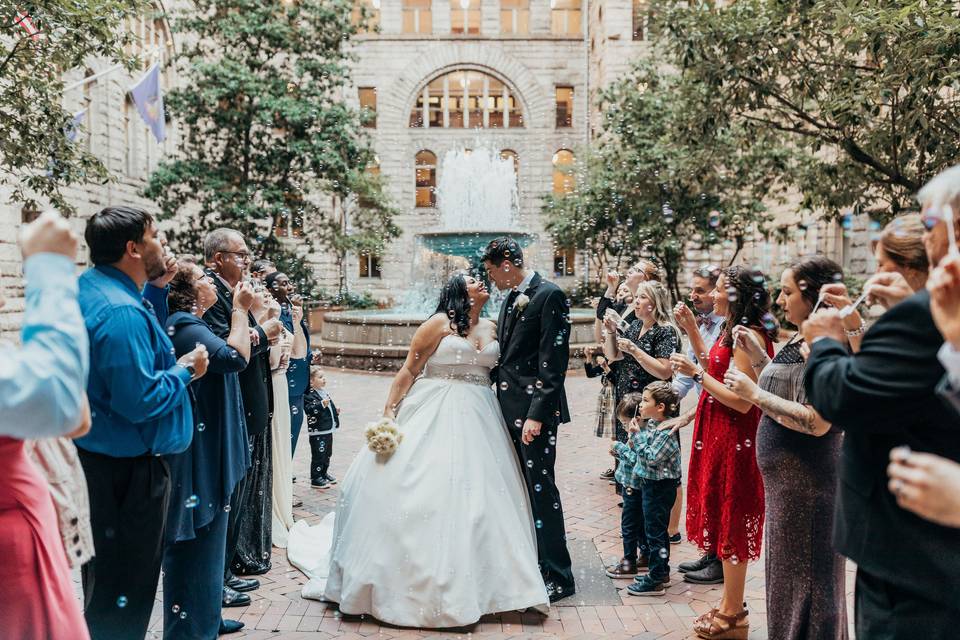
x,y
649,471
323,418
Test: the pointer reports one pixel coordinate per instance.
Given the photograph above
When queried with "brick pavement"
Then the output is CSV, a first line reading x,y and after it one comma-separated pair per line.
x,y
590,507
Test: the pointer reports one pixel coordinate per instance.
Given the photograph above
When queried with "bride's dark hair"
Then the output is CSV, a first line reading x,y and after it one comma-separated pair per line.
x,y
455,304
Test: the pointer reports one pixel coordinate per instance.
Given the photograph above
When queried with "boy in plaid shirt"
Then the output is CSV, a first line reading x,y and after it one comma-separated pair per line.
x,y
650,474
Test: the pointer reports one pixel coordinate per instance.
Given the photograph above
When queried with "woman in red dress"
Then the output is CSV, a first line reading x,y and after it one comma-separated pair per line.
x,y
724,486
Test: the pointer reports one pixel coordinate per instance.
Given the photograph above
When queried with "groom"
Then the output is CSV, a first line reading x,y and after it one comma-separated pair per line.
x,y
534,336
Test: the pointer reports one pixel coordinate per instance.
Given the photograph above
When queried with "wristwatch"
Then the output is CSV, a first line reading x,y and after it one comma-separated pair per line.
x,y
190,370
698,376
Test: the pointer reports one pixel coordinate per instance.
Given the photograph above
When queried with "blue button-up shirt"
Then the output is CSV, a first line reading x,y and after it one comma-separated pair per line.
x,y
650,455
138,394
42,382
709,331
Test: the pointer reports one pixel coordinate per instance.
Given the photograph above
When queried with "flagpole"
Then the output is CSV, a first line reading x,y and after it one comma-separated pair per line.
x,y
93,77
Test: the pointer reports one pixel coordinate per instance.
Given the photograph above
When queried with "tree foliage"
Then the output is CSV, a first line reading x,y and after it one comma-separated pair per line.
x,y
267,137
36,157
665,176
864,91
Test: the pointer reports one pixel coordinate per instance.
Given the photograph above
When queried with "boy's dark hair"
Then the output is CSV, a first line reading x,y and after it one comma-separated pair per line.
x,y
109,230
663,393
629,407
260,265
503,248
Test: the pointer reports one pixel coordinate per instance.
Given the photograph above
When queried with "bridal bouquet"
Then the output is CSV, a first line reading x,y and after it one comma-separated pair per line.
x,y
383,437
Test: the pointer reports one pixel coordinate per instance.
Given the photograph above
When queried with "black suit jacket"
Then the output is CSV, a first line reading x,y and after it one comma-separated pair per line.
x,y
256,388
886,396
534,352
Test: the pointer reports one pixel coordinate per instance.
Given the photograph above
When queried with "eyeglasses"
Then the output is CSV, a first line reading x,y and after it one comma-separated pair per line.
x,y
243,255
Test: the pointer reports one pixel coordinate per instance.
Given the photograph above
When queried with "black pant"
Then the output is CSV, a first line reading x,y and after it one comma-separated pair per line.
x,y
537,461
644,522
233,526
321,448
884,611
128,511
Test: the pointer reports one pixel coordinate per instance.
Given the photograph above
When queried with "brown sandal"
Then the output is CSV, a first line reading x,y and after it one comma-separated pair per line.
x,y
719,626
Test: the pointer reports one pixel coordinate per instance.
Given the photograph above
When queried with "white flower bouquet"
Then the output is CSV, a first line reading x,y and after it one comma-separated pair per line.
x,y
383,436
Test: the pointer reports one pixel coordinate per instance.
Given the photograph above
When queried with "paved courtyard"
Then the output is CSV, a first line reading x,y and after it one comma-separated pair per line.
x,y
592,522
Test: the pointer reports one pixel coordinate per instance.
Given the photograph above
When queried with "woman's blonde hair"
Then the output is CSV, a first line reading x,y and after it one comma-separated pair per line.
x,y
658,296
902,241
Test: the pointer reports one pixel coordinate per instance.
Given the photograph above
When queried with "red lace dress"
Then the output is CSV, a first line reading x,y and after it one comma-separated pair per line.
x,y
724,487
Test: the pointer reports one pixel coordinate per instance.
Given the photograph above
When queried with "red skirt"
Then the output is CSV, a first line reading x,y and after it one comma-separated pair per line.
x,y
36,594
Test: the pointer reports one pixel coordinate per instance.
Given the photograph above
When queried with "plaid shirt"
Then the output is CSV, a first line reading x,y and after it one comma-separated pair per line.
x,y
651,455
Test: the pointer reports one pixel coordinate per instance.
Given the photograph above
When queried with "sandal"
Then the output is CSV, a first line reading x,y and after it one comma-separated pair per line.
x,y
719,626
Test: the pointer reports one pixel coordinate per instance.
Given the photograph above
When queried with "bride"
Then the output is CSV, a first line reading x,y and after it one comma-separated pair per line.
x,y
441,532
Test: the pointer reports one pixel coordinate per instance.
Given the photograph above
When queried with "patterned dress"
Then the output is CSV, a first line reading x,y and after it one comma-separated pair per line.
x,y
805,575
725,489
659,341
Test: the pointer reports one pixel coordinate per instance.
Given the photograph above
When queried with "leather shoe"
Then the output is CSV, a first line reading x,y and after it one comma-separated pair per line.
x,y
243,584
711,574
696,565
229,626
233,598
557,592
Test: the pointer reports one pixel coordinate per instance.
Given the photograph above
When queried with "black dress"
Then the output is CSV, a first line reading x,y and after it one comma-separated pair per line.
x,y
805,576
660,341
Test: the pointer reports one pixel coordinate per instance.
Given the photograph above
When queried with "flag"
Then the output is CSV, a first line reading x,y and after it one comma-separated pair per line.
x,y
72,128
148,98
25,21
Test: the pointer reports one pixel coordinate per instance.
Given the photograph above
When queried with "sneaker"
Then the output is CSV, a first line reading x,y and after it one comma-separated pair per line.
x,y
675,538
321,483
696,565
646,587
331,479
711,574
624,569
665,582
607,475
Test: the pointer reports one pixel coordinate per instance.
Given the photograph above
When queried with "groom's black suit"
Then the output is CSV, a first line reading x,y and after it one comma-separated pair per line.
x,y
534,351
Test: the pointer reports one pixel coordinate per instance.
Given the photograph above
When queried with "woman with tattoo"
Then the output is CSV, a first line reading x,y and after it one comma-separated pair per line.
x,y
797,452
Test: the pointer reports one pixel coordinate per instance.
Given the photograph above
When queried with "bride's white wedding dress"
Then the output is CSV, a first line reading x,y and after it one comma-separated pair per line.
x,y
441,532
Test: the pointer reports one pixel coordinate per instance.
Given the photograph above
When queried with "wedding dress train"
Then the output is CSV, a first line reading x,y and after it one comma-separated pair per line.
x,y
441,532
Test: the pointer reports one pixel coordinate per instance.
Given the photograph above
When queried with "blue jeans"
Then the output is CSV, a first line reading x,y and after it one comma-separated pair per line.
x,y
643,524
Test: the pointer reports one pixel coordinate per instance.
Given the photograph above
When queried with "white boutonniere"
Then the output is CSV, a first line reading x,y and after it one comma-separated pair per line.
x,y
522,301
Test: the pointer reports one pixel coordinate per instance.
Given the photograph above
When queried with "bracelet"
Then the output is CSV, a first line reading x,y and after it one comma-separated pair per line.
x,y
859,331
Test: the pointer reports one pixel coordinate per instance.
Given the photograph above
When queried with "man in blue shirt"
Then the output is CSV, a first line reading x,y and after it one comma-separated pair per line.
x,y
141,411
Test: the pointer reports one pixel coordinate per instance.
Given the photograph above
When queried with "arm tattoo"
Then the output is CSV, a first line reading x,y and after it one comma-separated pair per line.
x,y
792,415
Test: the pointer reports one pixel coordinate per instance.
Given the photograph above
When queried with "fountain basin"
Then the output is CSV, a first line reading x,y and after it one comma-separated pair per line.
x,y
469,244
378,340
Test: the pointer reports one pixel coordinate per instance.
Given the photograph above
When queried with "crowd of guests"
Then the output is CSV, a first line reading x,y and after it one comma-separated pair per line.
x,y
836,440
149,422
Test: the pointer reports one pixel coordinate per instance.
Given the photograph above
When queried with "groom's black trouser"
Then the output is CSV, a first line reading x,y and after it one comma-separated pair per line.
x,y
536,462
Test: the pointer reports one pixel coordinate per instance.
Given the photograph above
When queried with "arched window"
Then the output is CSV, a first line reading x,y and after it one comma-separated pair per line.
x,y
426,179
466,100
563,179
465,17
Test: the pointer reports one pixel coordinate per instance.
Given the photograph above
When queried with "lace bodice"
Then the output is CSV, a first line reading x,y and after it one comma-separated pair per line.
x,y
456,358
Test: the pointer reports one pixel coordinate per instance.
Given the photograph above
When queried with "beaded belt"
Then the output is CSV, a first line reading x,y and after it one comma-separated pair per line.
x,y
469,378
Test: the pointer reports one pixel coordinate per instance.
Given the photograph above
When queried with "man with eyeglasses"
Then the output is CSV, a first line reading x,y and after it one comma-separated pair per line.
x,y
885,397
228,260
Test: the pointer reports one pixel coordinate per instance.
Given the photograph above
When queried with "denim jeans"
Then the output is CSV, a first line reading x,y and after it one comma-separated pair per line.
x,y
644,521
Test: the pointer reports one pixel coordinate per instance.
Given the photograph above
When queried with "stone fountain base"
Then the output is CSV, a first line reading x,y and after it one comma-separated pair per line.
x,y
379,340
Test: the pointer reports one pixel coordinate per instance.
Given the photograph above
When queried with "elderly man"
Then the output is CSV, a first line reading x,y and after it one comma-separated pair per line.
x,y
886,396
228,259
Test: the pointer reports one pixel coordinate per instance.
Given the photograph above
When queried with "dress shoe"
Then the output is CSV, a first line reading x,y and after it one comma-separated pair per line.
x,y
320,483
229,626
557,592
233,598
711,574
331,479
626,568
243,584
696,565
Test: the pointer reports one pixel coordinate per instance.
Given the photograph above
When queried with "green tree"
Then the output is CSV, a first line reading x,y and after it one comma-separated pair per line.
x,y
864,92
267,138
39,41
665,176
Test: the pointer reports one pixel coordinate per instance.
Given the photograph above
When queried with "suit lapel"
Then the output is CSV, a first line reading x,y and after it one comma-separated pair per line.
x,y
501,320
515,312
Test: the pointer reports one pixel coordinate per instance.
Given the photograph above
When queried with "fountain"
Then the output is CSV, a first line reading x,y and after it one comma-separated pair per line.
x,y
478,201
